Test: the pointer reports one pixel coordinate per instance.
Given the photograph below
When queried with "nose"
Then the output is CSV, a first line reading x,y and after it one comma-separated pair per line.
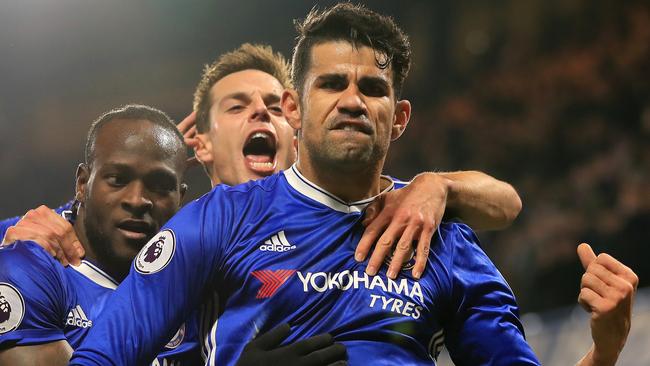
x,y
351,102
136,199
259,110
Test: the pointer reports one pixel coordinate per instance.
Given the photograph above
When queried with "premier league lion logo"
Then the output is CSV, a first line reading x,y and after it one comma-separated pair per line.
x,y
5,309
153,252
157,253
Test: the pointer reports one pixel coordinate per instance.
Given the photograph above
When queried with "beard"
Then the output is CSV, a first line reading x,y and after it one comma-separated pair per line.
x,y
100,243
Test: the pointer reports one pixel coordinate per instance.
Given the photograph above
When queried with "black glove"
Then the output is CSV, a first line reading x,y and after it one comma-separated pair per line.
x,y
315,351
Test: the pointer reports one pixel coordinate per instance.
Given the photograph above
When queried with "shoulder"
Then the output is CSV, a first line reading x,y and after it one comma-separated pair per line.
x,y
25,256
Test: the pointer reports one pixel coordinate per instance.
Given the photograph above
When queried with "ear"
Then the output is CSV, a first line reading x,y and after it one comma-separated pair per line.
x,y
203,149
291,108
183,190
81,182
401,118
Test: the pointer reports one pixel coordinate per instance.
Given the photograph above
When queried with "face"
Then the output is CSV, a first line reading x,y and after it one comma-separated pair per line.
x,y
132,187
249,138
348,108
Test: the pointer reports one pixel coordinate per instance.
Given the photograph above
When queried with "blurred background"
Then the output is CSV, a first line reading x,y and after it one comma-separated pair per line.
x,y
552,96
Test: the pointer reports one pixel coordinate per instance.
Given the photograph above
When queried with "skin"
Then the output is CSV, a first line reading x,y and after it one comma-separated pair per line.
x,y
244,103
607,291
349,117
136,175
132,187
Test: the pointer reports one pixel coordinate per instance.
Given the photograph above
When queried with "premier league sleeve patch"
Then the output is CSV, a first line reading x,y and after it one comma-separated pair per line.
x,y
157,253
12,308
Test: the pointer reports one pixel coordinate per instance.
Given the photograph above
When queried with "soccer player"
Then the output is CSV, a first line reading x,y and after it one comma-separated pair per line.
x,y
281,249
129,186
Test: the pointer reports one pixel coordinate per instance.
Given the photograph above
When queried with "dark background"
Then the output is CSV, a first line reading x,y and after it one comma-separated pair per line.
x,y
552,96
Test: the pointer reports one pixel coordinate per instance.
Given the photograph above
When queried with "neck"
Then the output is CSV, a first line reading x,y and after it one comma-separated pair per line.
x,y
117,271
349,183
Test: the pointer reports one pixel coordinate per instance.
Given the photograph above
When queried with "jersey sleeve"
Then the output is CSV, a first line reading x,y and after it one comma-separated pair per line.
x,y
484,327
165,284
6,223
32,296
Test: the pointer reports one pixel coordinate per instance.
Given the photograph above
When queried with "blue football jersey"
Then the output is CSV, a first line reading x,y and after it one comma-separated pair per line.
x,y
6,223
281,249
42,301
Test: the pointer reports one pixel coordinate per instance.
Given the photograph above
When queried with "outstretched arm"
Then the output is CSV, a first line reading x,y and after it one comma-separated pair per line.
x,y
411,215
607,292
481,201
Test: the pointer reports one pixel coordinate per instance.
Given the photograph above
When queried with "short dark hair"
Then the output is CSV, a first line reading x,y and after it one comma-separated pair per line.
x,y
246,57
358,25
129,112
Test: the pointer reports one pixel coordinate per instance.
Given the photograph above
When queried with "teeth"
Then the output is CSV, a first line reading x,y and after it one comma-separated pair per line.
x,y
260,135
262,165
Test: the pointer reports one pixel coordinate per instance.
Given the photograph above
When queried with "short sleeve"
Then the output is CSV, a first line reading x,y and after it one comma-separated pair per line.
x,y
32,297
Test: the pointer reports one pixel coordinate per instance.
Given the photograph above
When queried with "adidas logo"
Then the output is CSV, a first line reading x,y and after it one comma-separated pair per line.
x,y
277,243
77,318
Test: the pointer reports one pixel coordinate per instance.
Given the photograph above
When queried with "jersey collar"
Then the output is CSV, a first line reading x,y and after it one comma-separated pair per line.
x,y
95,274
313,191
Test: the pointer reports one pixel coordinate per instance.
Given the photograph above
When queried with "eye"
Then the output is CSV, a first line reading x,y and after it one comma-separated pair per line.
x,y
374,88
334,84
161,184
236,108
275,109
116,180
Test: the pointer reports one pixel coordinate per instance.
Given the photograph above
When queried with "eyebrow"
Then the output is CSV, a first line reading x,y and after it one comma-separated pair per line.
x,y
268,98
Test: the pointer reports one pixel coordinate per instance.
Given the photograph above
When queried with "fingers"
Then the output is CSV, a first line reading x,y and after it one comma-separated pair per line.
x,y
60,232
374,227
15,233
403,251
588,299
422,252
273,337
333,354
383,247
187,124
586,255
312,344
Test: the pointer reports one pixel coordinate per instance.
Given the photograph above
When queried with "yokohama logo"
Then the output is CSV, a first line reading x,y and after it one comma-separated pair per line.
x,y
271,281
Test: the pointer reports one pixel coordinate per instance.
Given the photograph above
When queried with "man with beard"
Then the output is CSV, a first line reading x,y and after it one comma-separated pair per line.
x,y
349,65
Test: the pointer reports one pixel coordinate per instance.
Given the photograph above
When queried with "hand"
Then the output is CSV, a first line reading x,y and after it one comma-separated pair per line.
x,y
606,291
411,214
314,351
187,128
49,230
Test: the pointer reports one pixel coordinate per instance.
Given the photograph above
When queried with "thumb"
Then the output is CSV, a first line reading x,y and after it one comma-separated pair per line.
x,y
586,255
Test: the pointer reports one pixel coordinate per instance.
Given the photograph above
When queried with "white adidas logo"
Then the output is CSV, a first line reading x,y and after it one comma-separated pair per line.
x,y
77,318
277,243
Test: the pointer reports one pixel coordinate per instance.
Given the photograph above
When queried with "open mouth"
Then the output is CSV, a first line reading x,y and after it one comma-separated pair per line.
x,y
259,151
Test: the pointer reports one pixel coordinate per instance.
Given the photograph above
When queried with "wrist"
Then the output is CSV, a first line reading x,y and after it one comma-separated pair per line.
x,y
601,357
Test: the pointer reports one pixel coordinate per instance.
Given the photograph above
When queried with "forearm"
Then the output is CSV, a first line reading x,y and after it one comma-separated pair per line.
x,y
481,201
594,358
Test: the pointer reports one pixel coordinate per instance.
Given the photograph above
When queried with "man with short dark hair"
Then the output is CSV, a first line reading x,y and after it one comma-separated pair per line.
x,y
128,186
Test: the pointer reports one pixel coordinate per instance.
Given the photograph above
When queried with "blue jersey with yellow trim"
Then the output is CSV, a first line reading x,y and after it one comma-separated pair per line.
x,y
42,301
281,250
